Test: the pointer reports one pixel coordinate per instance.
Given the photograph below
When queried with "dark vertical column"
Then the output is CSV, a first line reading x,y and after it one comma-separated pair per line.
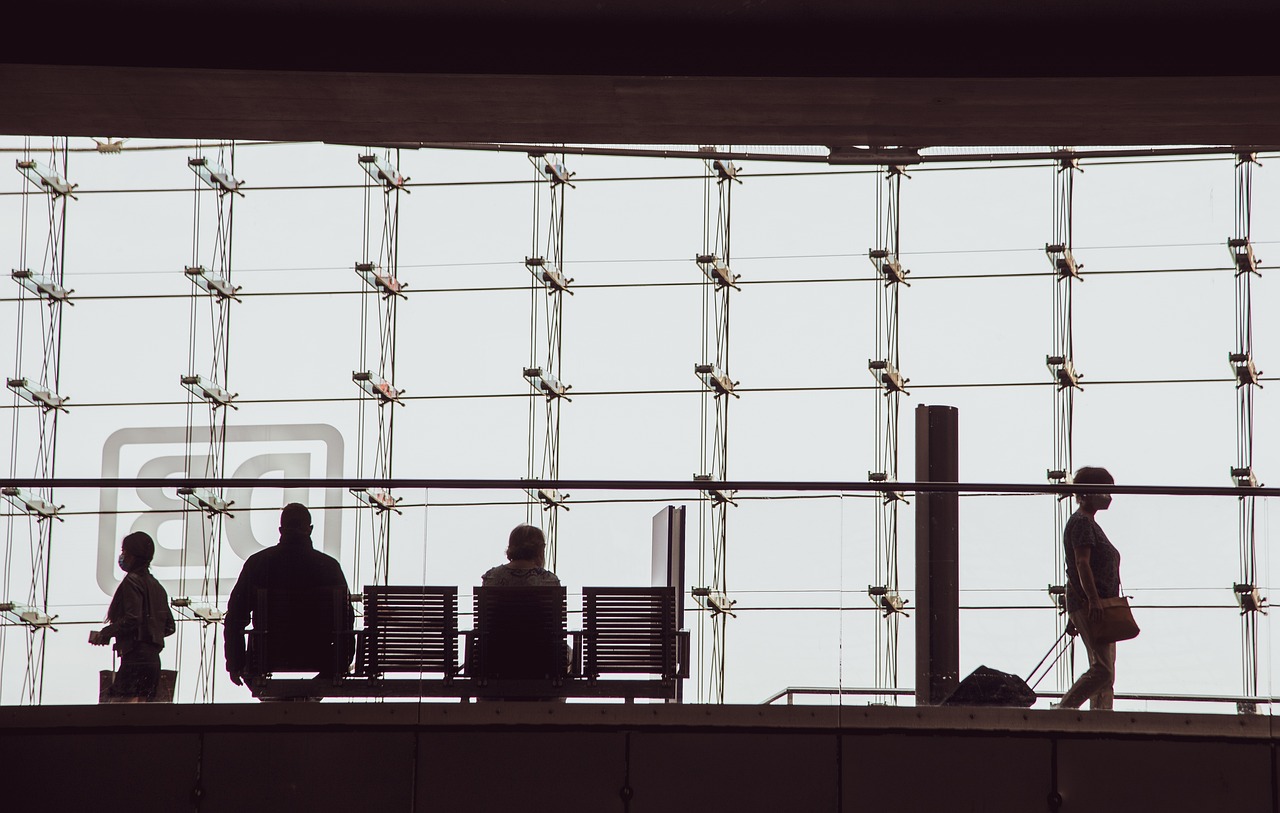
x,y
937,556
668,563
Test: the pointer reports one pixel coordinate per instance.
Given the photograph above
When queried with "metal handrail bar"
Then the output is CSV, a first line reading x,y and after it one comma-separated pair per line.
x,y
863,691
501,484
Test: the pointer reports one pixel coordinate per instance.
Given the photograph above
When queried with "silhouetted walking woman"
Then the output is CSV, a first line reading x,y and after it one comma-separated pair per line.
x,y
1093,573
139,620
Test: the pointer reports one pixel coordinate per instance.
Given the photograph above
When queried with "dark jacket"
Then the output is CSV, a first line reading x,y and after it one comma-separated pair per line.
x,y
291,565
139,616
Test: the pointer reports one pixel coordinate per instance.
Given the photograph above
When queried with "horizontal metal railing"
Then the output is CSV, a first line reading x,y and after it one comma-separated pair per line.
x,y
791,692
501,484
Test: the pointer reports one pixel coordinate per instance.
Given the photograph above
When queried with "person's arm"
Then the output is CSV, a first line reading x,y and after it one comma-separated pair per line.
x,y
1084,569
233,626
127,617
347,652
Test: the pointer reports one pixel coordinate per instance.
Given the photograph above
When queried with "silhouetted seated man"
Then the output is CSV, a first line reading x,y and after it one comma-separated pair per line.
x,y
291,571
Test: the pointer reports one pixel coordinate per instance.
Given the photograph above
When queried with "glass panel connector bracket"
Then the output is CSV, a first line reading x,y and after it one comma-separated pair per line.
x,y
211,283
1243,257
1063,261
557,173
715,601
215,176
1249,599
1061,477
378,387
890,270
389,177
1244,477
888,376
553,279
42,397
210,391
378,499
384,282
1063,372
547,384
717,270
202,499
37,507
717,496
726,171
1245,371
30,616
45,178
889,602
42,286
197,611
716,380
549,498
890,495
1068,160
1058,595
108,145
895,158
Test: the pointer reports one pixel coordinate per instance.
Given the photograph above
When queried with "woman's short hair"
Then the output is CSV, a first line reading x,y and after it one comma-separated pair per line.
x,y
525,542
1093,476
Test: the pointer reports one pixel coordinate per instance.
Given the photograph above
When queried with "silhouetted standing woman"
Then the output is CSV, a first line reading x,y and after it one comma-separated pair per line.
x,y
139,620
1093,573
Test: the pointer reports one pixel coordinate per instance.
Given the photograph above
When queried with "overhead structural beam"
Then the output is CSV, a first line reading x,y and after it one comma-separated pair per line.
x,y
366,107
632,38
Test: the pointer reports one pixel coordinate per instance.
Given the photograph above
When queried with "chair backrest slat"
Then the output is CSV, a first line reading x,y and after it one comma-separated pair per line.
x,y
520,633
298,630
629,630
409,629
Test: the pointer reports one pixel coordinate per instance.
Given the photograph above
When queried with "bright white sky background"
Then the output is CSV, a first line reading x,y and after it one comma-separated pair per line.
x,y
811,557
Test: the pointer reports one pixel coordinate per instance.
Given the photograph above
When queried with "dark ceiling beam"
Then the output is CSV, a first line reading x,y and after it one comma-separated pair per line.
x,y
375,108
831,72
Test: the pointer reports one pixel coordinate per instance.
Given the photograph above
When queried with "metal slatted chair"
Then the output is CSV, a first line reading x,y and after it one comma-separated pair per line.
x,y
519,634
409,629
633,630
299,631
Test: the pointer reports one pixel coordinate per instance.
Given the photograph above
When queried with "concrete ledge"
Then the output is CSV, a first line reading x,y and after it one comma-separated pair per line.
x,y
540,716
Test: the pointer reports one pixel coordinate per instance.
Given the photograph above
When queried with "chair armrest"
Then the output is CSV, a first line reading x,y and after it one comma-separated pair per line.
x,y
682,654
359,661
469,642
575,663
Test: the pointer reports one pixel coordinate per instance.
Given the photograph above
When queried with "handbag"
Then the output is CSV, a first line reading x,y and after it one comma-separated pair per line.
x,y
1116,623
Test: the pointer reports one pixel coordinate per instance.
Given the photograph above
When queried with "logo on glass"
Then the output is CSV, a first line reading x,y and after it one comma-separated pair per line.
x,y
252,452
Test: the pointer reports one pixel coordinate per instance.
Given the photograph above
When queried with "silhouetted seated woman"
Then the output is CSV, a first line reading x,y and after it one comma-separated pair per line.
x,y
525,567
526,562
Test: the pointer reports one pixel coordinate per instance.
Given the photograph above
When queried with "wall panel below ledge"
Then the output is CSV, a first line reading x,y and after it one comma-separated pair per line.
x,y
629,759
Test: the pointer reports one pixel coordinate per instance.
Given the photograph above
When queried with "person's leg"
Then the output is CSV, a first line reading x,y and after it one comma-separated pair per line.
x,y
138,677
1104,698
1098,676
125,686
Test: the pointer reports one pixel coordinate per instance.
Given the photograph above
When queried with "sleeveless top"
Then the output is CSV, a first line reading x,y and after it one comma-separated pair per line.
x,y
508,576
